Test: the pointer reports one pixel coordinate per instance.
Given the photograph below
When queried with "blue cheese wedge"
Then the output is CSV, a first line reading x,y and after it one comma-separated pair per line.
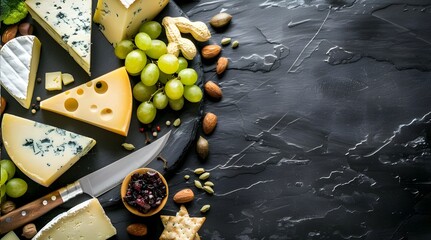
x,y
19,60
40,151
121,19
69,23
86,220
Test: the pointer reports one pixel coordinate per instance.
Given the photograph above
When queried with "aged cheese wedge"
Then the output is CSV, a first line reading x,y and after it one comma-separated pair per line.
x,y
86,220
19,60
69,23
41,151
121,19
105,102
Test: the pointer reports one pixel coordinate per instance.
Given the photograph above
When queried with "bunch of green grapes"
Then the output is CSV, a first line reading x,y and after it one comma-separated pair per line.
x,y
10,185
166,80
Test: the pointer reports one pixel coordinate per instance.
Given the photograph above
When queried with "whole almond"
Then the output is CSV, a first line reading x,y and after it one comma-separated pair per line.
x,y
137,229
220,20
2,105
222,63
210,51
213,90
184,196
9,33
209,123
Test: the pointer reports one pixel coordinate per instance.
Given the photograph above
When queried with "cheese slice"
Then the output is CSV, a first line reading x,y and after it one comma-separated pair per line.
x,y
40,151
19,60
53,81
69,23
67,78
105,102
86,220
121,19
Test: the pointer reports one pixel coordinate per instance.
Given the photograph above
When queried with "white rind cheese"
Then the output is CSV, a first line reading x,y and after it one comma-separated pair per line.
x,y
40,151
86,220
69,23
19,60
121,19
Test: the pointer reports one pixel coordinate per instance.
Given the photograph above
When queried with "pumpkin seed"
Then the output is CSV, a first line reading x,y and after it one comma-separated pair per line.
x,y
225,41
198,184
209,183
208,189
204,176
128,146
199,170
235,44
177,122
186,177
205,208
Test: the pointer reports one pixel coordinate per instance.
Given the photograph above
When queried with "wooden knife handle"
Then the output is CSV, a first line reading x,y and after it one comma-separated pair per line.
x,y
29,212
37,208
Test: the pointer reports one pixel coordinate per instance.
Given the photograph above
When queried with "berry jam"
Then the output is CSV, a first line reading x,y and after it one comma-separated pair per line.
x,y
145,191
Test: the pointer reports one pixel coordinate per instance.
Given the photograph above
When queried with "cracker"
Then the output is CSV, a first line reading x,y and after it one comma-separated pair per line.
x,y
181,226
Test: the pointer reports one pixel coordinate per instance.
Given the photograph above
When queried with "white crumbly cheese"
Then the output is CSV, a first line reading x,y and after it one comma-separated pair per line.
x,y
86,220
69,23
40,151
121,19
19,60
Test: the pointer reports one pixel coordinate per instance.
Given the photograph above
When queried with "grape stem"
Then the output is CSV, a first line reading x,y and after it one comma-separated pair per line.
x,y
157,91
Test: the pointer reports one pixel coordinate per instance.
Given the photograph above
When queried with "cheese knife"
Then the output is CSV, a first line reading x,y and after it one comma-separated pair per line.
x,y
93,184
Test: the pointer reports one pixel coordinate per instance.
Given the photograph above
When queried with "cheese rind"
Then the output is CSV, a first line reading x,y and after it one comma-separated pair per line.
x,y
121,19
40,151
19,60
69,23
105,102
86,220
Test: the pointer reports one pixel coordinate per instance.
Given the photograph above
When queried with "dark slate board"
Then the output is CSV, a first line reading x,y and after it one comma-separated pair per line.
x,y
108,148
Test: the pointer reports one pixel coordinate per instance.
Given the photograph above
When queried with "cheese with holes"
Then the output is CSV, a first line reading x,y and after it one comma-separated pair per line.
x,y
105,102
69,23
40,151
19,60
86,220
121,19
53,81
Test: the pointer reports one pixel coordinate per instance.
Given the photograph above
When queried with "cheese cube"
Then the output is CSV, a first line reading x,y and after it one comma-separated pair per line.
x,y
121,19
53,81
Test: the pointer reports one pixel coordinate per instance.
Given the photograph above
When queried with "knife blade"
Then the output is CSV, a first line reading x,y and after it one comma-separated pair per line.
x,y
93,184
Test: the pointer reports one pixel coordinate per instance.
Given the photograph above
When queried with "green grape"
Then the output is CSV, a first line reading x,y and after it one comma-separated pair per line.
x,y
143,93
150,74
143,41
174,89
9,166
135,61
177,104
3,176
188,76
146,112
16,187
123,48
157,49
2,191
160,100
183,64
168,63
164,78
152,28
193,93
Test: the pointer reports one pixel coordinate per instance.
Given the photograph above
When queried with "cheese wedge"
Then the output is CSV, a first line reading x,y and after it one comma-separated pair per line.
x,y
53,81
121,19
69,23
19,60
86,220
40,151
105,102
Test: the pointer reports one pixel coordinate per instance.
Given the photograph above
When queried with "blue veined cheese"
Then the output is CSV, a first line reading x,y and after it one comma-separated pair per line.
x,y
86,220
19,60
121,19
40,151
69,23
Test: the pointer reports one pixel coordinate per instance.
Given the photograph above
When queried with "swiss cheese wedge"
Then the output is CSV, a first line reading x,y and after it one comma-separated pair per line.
x,y
105,102
40,151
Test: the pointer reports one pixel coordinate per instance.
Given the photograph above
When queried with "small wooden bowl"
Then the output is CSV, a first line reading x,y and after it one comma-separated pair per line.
x,y
124,187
